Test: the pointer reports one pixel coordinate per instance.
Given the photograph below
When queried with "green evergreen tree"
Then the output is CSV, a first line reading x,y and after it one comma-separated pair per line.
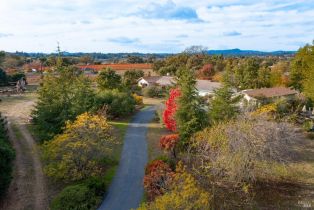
x,y
190,116
263,77
246,74
223,105
228,77
63,95
2,56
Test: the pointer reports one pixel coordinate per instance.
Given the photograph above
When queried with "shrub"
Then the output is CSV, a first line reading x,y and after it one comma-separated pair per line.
x,y
157,179
184,193
78,152
3,78
138,99
169,142
76,197
242,151
7,155
166,160
114,103
281,109
15,77
206,72
153,92
98,185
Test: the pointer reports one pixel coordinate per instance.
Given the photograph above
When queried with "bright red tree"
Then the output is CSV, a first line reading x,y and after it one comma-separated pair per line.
x,y
171,108
169,142
158,176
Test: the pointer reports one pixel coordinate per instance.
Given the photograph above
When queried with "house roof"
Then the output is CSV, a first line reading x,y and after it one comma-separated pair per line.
x,y
166,80
159,80
152,79
207,85
201,85
270,92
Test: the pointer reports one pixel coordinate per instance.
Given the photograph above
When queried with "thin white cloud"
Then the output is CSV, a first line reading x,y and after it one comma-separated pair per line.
x,y
147,26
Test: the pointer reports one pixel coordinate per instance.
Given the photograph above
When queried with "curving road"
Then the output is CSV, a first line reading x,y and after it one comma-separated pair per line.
x,y
126,190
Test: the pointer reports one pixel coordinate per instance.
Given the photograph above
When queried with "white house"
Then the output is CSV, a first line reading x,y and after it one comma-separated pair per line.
x,y
147,81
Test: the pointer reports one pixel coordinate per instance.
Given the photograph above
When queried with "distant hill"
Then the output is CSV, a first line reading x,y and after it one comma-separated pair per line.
x,y
238,52
231,52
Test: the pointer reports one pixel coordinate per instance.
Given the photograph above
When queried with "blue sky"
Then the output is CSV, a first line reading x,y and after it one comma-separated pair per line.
x,y
154,26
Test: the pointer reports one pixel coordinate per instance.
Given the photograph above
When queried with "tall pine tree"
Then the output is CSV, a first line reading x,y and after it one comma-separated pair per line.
x,y
190,115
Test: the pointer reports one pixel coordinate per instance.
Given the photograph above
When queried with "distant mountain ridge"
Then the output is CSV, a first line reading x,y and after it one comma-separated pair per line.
x,y
238,52
230,52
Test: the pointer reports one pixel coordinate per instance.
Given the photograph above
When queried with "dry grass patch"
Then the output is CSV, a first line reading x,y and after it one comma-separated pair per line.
x,y
154,133
153,101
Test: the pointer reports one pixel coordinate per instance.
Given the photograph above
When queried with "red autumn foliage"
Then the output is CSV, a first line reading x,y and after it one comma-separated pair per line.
x,y
206,72
157,179
168,142
171,108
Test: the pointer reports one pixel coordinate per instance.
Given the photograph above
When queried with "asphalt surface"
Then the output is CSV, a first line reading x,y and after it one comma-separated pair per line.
x,y
126,190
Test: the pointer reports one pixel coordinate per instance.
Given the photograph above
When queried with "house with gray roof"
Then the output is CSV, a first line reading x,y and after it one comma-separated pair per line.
x,y
204,87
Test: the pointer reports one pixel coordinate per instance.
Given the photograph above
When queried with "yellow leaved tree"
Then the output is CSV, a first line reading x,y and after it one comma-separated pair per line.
x,y
79,152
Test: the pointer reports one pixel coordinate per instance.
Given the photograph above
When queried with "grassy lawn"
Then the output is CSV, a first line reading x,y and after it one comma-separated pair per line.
x,y
13,99
154,133
119,131
152,101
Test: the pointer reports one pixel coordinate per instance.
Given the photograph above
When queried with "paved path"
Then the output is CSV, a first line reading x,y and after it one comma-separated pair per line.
x,y
126,191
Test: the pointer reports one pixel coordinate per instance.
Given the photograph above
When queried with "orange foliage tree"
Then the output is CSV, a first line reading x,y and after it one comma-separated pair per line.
x,y
169,142
206,72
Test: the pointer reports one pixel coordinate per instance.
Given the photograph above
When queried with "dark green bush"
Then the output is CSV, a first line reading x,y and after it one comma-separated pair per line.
x,y
153,92
7,155
15,77
3,78
87,195
76,197
97,185
115,103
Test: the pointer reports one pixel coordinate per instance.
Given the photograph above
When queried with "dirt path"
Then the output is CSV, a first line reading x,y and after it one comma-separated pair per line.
x,y
28,187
